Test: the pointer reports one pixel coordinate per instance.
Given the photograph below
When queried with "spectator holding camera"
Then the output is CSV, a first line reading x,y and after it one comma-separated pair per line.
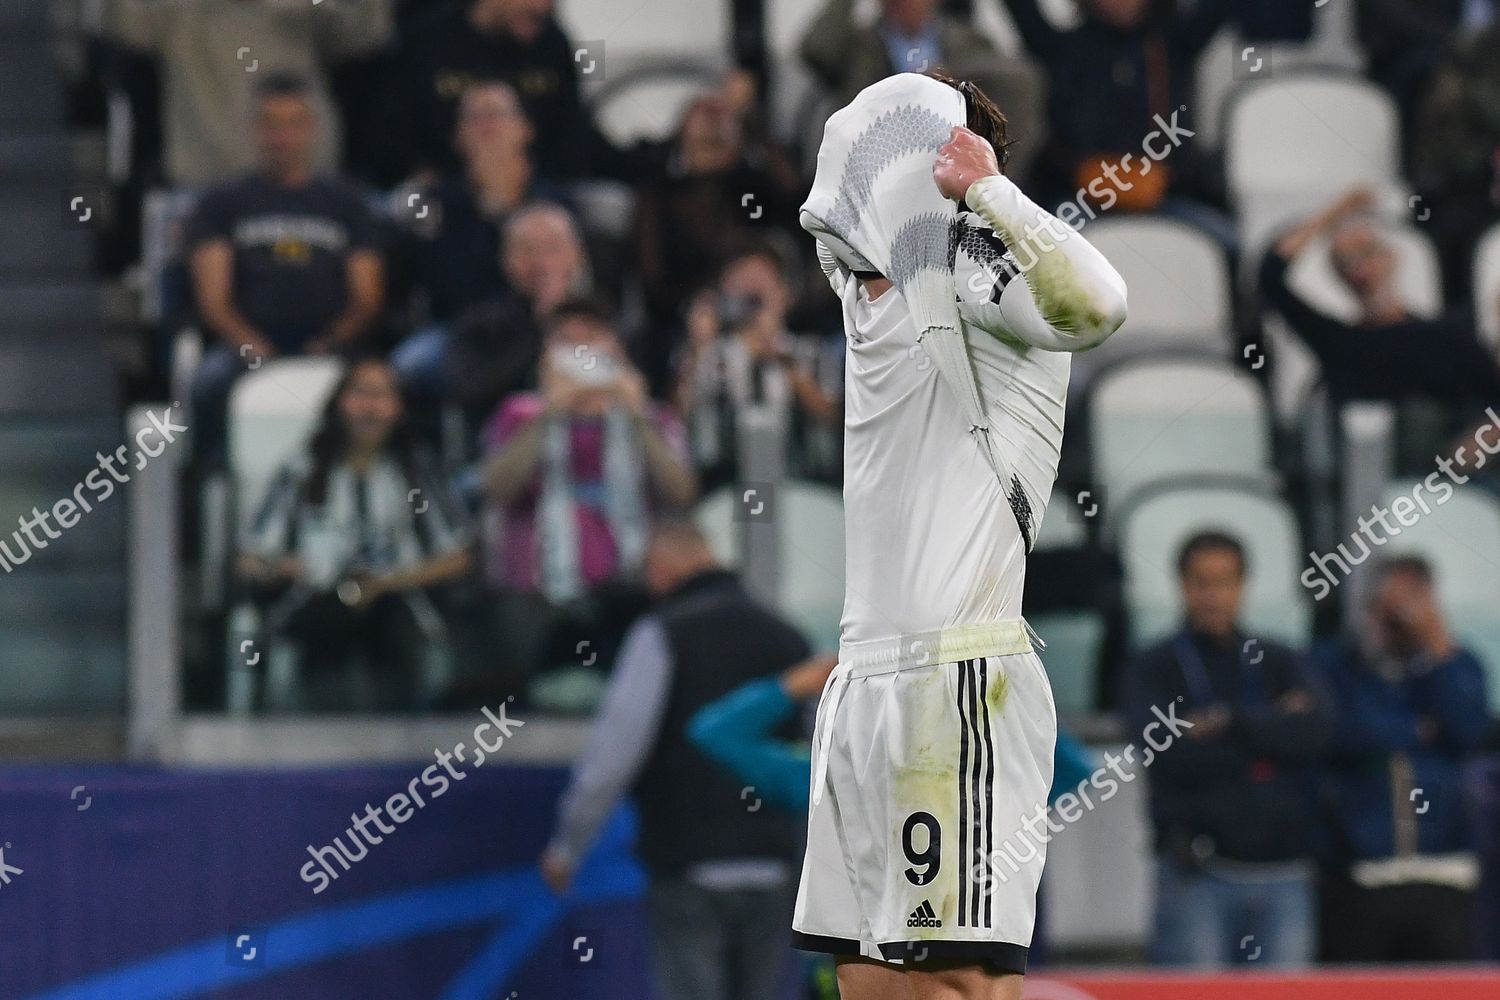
x,y
574,472
351,535
1411,709
714,188
1232,800
744,372
284,261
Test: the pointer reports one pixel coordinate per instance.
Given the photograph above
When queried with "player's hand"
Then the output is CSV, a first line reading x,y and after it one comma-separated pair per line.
x,y
962,160
806,679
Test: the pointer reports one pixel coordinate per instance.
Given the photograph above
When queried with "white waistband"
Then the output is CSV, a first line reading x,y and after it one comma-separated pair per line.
x,y
946,645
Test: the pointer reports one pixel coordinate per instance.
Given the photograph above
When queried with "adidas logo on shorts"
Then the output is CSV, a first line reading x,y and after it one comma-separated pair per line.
x,y
924,916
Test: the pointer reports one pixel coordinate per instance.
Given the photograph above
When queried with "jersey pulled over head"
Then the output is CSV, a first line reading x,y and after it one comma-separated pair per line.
x,y
874,204
875,207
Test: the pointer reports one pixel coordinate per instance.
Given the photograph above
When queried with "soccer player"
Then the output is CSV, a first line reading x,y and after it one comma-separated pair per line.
x,y
935,734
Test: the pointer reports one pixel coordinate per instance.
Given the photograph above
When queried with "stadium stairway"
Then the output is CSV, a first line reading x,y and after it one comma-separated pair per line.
x,y
62,608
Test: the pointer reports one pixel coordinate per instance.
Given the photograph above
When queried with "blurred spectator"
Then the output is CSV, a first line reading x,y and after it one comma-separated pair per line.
x,y
573,474
722,880
461,41
711,192
492,349
458,219
1127,70
347,553
744,372
283,261
913,36
1406,39
1388,353
1232,801
210,98
1411,709
1456,154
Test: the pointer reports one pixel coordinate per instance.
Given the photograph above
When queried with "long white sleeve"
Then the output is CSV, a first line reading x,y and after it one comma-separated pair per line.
x,y
1070,299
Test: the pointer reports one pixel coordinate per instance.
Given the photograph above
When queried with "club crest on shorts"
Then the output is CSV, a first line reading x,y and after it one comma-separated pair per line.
x,y
924,916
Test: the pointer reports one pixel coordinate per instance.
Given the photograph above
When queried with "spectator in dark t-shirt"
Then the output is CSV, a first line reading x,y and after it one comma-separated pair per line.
x,y
1388,354
283,262
461,41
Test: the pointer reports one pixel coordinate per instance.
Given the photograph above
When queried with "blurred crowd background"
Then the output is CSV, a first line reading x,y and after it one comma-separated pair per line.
x,y
462,300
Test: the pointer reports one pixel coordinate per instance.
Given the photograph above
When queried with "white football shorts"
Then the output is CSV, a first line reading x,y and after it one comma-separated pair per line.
x,y
929,753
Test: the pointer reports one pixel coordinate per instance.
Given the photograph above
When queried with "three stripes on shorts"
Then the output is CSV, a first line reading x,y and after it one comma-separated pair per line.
x,y
976,781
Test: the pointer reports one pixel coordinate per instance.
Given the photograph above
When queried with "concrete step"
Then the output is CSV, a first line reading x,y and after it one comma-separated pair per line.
x,y
52,378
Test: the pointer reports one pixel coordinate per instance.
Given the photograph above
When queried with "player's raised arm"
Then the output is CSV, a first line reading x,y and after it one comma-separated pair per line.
x,y
1071,298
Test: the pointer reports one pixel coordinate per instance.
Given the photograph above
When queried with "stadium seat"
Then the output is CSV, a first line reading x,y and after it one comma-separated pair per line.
x,y
1154,527
1294,142
647,101
272,411
1461,539
1064,526
628,35
1179,286
1154,419
1487,287
1073,641
810,589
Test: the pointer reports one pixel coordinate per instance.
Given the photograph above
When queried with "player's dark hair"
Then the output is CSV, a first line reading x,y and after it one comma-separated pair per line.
x,y
1210,541
984,117
1410,565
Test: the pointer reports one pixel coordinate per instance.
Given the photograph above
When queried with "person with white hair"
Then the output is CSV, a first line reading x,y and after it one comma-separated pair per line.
x,y
935,736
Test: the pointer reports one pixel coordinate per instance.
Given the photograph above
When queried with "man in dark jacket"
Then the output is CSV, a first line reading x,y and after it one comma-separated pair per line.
x,y
1232,801
720,866
1411,707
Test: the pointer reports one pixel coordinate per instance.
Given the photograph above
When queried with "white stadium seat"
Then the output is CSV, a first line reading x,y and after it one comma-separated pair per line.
x,y
635,33
1178,284
648,101
1294,143
811,553
272,412
1073,641
1487,287
1461,539
1155,528
1155,420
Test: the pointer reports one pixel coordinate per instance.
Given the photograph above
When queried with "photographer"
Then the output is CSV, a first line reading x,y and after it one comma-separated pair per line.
x,y
573,475
743,372
350,536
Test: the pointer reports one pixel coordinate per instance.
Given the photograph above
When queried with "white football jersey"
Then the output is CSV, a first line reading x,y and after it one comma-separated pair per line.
x,y
934,539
